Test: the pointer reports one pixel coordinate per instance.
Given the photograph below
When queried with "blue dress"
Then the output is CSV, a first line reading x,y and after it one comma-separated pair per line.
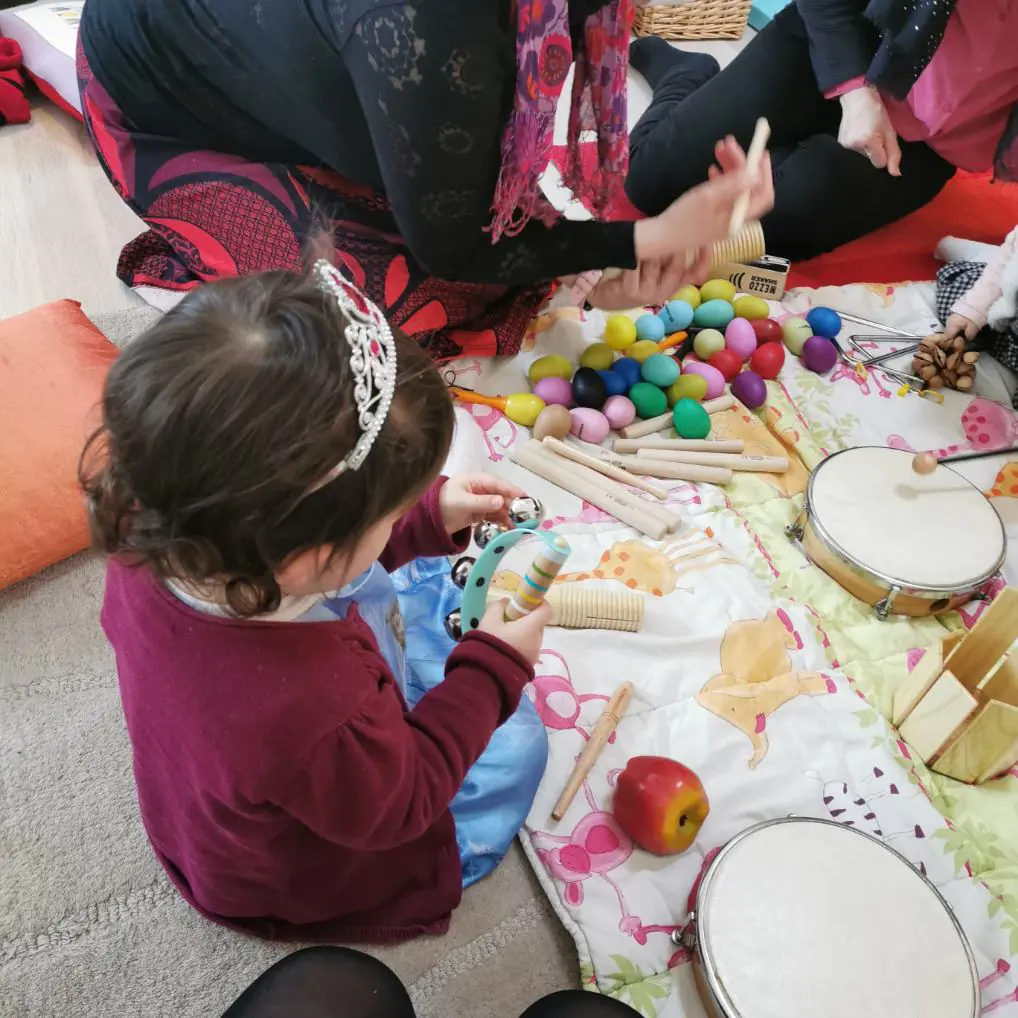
x,y
406,612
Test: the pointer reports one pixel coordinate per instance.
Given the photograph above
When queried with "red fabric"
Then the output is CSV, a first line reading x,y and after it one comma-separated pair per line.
x,y
620,208
14,108
972,206
283,783
211,214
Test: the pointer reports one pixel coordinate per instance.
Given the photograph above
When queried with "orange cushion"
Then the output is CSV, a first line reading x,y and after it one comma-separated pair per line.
x,y
53,362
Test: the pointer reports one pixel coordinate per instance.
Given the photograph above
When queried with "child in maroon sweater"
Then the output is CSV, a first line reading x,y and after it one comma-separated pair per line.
x,y
268,452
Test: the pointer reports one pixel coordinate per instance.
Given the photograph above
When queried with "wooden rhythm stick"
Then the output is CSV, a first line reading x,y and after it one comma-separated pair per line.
x,y
585,473
679,444
606,724
540,575
608,468
533,457
654,424
733,461
680,471
754,156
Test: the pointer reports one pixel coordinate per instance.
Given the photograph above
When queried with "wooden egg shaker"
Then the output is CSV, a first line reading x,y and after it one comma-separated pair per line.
x,y
958,710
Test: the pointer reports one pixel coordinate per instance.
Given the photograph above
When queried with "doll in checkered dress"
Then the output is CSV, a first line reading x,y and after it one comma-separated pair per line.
x,y
976,299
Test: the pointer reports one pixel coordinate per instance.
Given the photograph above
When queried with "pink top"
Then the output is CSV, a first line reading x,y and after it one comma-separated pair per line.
x,y
961,102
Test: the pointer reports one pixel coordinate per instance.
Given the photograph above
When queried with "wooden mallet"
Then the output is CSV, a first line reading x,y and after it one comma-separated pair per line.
x,y
926,462
599,737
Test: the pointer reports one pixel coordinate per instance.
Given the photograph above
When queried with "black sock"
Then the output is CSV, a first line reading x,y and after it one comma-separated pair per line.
x,y
656,59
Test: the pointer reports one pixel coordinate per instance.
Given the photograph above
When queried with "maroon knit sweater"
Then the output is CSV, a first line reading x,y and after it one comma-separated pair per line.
x,y
283,783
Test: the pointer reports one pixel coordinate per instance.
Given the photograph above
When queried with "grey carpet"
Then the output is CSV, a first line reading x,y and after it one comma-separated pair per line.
x,y
90,927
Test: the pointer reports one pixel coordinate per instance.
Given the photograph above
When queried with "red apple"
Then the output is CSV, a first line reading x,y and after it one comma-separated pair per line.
x,y
660,804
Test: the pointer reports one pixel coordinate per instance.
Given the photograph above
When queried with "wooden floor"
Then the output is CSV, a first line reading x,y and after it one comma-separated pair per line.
x,y
62,225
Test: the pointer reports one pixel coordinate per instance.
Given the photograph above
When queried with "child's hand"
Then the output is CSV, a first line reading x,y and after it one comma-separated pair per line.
x,y
524,635
959,325
468,499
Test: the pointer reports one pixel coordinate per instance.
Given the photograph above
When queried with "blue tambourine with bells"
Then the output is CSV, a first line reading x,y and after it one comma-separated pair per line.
x,y
474,576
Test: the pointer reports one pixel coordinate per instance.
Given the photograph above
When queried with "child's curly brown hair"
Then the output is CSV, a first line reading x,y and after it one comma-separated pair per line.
x,y
218,421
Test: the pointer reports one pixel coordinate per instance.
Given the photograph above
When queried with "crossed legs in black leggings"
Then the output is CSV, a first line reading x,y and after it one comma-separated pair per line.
x,y
335,982
825,195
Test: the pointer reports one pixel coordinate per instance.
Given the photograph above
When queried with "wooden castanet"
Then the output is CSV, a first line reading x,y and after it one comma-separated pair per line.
x,y
733,461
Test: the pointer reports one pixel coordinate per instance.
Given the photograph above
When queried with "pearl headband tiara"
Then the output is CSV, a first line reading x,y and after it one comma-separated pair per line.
x,y
372,360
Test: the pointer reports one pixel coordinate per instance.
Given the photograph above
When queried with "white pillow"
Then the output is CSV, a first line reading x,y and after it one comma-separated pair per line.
x,y
48,33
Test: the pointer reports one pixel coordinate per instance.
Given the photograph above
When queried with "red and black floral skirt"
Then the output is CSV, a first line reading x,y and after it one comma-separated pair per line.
x,y
211,214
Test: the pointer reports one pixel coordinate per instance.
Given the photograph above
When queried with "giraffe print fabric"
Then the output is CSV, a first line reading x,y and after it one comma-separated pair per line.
x,y
752,667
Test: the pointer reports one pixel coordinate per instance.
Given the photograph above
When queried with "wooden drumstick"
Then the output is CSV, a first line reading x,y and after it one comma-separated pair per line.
x,y
617,492
754,156
654,424
732,461
591,476
926,462
606,724
533,457
609,469
540,575
680,444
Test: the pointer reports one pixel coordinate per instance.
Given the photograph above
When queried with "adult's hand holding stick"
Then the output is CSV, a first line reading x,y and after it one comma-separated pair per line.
x,y
599,737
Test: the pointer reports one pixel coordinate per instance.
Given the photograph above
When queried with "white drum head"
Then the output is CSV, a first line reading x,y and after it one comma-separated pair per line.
x,y
935,531
804,918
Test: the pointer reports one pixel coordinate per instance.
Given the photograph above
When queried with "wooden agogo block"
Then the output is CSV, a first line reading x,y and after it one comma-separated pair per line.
x,y
988,640
938,717
1001,765
984,747
1003,683
917,684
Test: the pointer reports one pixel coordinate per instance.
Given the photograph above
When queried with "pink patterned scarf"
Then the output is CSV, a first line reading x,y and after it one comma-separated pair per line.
x,y
544,53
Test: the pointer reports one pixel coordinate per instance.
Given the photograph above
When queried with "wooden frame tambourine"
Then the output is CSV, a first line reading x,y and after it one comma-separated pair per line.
x,y
534,584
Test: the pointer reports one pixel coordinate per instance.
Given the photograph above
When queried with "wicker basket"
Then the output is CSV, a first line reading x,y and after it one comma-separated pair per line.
x,y
699,19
